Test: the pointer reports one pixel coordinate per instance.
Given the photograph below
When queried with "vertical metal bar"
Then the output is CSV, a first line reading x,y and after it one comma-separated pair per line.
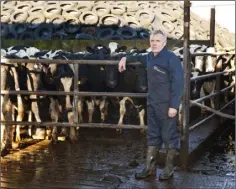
x,y
76,89
218,81
212,27
186,97
212,44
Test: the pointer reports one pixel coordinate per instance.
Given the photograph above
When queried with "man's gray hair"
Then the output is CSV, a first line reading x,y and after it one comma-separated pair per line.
x,y
155,32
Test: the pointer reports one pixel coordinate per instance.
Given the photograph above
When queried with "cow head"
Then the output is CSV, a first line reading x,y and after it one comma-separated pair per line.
x,y
195,85
100,50
3,52
210,63
198,62
34,72
141,82
111,71
111,76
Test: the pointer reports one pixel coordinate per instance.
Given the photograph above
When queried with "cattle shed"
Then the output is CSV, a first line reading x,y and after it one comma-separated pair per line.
x,y
188,144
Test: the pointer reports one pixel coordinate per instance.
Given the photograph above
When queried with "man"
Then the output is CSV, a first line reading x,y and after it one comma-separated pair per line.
x,y
165,86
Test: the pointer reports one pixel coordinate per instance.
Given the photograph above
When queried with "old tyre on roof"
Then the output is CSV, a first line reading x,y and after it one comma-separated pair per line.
x,y
105,33
52,11
71,25
101,9
18,17
43,32
71,12
88,18
38,10
57,21
4,30
33,21
8,4
109,20
65,5
26,36
24,6
127,32
5,16
118,9
84,36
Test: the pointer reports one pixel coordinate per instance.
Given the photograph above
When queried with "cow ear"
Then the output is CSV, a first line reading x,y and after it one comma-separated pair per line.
x,y
122,48
108,51
90,49
102,68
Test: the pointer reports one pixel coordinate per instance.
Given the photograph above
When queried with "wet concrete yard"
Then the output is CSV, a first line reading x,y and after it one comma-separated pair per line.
x,y
100,159
219,158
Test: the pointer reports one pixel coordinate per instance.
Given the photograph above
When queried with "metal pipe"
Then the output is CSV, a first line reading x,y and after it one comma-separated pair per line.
x,y
97,125
213,5
212,27
76,89
211,75
93,62
45,61
201,122
80,93
228,61
213,94
210,116
212,54
217,112
184,148
63,124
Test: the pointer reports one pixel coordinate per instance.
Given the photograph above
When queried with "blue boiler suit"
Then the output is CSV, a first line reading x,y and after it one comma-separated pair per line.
x,y
165,86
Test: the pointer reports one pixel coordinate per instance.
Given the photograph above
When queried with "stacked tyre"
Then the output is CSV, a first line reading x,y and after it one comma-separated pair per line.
x,y
102,20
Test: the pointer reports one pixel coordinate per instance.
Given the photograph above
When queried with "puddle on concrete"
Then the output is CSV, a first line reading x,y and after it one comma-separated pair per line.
x,y
219,159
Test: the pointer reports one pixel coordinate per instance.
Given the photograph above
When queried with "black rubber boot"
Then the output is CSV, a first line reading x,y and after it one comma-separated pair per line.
x,y
150,166
168,171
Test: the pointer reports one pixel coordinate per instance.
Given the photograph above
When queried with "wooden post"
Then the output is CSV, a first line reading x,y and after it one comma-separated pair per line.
x,y
186,97
212,27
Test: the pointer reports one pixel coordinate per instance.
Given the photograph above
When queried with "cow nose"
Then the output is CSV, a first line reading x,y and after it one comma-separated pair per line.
x,y
112,83
195,70
194,92
210,70
143,88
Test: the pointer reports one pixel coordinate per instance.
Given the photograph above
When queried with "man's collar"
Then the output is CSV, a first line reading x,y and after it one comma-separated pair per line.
x,y
161,53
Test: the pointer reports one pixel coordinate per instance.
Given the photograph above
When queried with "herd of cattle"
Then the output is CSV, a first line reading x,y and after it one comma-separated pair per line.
x,y
92,78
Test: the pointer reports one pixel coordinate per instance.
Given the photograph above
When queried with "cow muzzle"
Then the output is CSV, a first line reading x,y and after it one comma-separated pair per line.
x,y
111,84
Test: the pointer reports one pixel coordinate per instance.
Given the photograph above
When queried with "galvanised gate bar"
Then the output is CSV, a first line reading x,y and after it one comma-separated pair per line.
x,y
186,98
76,93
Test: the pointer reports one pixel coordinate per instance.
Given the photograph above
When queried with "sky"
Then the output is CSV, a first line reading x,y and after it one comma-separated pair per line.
x,y
225,15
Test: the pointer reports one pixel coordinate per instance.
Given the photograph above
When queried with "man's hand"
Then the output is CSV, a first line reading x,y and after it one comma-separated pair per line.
x,y
122,64
172,112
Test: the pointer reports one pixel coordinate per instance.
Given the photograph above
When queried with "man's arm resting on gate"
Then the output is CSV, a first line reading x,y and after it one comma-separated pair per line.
x,y
137,57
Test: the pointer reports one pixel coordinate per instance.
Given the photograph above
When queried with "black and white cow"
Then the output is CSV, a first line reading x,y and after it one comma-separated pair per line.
x,y
17,77
59,77
6,130
29,78
8,104
204,65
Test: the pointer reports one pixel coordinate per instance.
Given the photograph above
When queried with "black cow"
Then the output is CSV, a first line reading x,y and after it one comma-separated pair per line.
x,y
134,79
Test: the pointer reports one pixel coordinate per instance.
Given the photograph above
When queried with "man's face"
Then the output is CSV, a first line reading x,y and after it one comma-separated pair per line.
x,y
157,42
